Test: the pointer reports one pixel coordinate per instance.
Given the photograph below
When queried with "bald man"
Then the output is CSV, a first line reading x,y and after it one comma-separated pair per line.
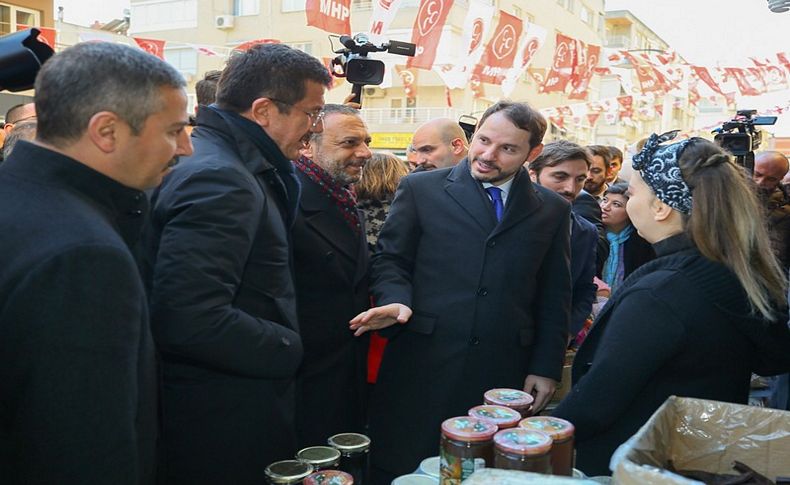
x,y
769,169
20,112
439,143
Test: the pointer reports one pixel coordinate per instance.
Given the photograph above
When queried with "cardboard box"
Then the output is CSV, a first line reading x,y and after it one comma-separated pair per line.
x,y
704,435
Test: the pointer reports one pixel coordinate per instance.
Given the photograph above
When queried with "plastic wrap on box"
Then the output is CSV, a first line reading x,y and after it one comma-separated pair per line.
x,y
704,435
494,476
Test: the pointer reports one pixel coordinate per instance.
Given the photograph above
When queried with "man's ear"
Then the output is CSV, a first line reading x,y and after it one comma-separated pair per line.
x,y
459,146
533,154
262,111
533,175
103,130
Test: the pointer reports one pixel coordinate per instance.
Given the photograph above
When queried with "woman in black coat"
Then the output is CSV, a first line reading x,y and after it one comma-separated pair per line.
x,y
694,322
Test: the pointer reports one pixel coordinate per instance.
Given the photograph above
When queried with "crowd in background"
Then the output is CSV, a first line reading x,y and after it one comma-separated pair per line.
x,y
190,304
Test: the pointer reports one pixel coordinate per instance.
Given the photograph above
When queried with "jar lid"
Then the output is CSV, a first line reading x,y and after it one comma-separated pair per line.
x,y
288,471
414,479
319,456
522,441
557,428
502,416
465,428
431,466
329,477
350,442
508,397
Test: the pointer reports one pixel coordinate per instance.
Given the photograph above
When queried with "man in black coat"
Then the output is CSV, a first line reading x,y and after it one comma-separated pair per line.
x,y
473,265
77,366
223,307
331,261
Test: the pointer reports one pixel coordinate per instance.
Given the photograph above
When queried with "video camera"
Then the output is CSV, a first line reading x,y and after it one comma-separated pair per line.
x,y
355,66
21,56
740,137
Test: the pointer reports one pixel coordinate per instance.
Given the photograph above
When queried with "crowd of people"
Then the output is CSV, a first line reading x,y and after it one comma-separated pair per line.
x,y
187,308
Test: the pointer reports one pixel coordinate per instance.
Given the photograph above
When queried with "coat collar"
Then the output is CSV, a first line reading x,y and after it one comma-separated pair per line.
x,y
125,206
522,199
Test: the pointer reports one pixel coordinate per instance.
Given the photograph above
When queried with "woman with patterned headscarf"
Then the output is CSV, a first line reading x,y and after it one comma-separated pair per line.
x,y
694,322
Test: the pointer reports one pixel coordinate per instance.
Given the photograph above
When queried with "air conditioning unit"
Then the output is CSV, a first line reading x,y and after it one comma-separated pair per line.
x,y
223,22
373,92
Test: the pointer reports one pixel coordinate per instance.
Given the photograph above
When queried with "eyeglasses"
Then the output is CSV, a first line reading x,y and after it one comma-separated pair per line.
x,y
315,117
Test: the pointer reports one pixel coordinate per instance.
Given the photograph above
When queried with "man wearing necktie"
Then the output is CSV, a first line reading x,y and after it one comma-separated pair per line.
x,y
473,284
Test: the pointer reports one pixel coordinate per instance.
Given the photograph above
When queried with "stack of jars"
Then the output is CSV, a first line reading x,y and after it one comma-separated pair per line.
x,y
344,462
495,435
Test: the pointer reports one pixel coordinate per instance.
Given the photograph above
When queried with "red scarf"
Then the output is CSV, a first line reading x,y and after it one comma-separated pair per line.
x,y
344,198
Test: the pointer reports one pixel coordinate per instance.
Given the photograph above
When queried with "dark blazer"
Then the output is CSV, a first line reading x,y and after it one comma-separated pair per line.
x,y
331,263
587,207
490,302
679,325
223,310
584,239
77,364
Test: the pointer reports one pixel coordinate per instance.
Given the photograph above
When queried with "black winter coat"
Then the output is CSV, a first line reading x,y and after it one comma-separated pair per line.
x,y
223,310
679,325
77,364
331,264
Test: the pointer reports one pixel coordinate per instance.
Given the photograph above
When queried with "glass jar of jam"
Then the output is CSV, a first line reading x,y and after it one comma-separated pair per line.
x,y
288,472
522,449
501,416
353,448
329,477
466,446
321,457
561,433
512,398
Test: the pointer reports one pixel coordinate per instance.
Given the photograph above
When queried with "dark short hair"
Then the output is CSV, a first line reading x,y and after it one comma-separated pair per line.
x,y
268,70
13,112
206,88
523,116
556,152
615,153
99,76
329,109
602,152
618,189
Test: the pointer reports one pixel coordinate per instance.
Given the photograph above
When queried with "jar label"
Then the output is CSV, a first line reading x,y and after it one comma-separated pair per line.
x,y
454,469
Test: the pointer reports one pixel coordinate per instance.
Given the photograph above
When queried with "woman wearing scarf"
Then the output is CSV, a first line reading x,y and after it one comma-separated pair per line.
x,y
694,322
627,250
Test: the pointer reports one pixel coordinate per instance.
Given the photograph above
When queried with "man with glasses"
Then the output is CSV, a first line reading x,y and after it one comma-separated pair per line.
x,y
18,113
219,254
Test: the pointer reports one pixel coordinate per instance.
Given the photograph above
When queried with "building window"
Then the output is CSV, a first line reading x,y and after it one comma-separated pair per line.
x,y
586,15
246,7
570,6
13,18
517,12
184,59
293,5
306,47
159,15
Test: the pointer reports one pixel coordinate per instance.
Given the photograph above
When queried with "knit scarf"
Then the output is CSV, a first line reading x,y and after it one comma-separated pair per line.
x,y
343,197
614,270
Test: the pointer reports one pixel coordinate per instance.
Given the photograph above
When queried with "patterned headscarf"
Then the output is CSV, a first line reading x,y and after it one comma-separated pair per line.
x,y
658,166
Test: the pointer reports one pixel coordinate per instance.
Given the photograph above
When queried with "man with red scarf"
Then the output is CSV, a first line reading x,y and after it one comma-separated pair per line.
x,y
331,262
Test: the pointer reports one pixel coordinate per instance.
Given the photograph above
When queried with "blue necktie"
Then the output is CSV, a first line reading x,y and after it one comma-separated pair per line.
x,y
496,199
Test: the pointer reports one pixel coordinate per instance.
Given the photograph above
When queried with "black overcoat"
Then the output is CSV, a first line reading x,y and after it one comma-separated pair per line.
x,y
223,310
491,303
331,262
77,364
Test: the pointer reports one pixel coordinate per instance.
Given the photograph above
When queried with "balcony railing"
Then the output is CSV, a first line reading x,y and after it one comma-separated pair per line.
x,y
618,41
407,116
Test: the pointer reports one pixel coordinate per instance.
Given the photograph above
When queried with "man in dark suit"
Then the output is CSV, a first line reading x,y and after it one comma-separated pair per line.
x,y
473,265
331,262
223,304
585,206
77,361
562,167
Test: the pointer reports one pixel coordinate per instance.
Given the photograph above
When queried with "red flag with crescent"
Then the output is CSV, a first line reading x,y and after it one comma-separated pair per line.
x,y
329,15
409,79
152,46
501,49
427,30
562,67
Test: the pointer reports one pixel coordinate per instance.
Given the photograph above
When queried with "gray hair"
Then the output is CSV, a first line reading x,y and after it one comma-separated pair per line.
x,y
92,77
334,109
24,130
